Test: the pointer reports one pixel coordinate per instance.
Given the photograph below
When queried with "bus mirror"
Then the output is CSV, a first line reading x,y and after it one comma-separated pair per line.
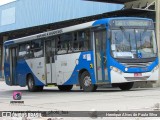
x,y
28,47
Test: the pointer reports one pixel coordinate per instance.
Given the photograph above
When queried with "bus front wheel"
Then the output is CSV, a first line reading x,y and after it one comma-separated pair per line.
x,y
86,82
31,84
65,87
126,86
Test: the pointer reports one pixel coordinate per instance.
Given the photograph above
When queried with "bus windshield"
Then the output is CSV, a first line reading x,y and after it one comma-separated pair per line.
x,y
133,43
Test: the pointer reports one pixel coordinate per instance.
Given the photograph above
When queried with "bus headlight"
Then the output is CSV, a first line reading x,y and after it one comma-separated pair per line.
x,y
155,68
116,69
126,69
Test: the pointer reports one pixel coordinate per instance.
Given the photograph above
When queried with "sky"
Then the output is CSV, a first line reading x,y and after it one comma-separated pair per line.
x,y
2,2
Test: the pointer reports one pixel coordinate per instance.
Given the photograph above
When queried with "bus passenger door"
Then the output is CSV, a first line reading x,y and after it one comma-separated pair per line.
x,y
50,62
13,66
100,55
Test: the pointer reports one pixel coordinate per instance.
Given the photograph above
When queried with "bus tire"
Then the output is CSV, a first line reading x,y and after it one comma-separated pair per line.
x,y
86,82
126,86
65,87
31,84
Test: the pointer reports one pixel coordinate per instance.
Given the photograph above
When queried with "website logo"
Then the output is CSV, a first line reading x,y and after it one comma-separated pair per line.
x,y
17,95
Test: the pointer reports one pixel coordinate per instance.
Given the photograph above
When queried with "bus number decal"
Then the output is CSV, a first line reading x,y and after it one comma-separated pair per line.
x,y
91,66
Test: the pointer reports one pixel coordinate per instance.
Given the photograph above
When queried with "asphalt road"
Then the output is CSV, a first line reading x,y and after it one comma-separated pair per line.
x,y
105,99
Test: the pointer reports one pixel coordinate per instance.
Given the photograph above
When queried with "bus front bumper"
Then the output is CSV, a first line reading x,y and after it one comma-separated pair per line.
x,y
117,77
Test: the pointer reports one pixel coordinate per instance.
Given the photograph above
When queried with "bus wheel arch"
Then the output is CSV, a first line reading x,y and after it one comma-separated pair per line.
x,y
79,76
27,76
31,86
85,81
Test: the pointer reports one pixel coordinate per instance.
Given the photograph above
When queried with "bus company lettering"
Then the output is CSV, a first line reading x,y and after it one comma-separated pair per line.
x,y
55,32
50,33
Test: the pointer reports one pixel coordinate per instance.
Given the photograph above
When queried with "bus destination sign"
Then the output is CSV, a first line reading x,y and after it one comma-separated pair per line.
x,y
138,23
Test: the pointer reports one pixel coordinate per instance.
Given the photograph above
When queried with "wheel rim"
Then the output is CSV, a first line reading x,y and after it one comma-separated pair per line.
x,y
87,81
30,83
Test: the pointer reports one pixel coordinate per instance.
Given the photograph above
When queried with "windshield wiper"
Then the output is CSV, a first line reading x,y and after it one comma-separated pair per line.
x,y
130,41
123,30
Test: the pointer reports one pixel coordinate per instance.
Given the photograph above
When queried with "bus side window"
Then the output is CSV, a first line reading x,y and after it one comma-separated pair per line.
x,y
75,42
58,44
53,49
82,40
87,42
61,45
22,51
70,43
37,48
64,43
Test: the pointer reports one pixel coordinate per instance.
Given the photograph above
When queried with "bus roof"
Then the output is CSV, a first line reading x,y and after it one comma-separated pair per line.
x,y
49,33
67,29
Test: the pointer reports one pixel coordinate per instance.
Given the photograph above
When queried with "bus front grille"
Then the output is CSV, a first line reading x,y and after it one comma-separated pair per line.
x,y
136,78
135,65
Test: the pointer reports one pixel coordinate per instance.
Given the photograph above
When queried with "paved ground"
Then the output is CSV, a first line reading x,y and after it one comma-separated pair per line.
x,y
77,100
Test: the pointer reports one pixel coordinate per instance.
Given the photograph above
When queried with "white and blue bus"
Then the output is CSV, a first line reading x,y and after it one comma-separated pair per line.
x,y
115,51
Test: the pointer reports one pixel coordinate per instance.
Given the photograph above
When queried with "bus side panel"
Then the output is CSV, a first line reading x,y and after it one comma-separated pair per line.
x,y
22,69
7,73
26,67
75,63
37,69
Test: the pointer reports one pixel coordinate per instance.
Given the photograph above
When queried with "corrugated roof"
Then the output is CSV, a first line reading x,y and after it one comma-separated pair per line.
x,y
113,1
29,13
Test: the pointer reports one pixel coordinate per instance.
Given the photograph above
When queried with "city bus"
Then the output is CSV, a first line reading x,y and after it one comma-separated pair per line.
x,y
114,52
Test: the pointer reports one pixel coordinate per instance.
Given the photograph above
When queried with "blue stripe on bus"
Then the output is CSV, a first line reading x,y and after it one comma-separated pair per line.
x,y
83,64
21,70
26,69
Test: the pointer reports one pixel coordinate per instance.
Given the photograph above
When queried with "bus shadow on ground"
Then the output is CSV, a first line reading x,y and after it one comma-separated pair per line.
x,y
108,90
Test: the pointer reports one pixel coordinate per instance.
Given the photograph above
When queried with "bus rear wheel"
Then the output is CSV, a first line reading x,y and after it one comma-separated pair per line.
x,y
126,86
65,87
31,84
86,82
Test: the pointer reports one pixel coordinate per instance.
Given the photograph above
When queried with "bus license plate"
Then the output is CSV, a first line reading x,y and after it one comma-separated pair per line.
x,y
137,74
